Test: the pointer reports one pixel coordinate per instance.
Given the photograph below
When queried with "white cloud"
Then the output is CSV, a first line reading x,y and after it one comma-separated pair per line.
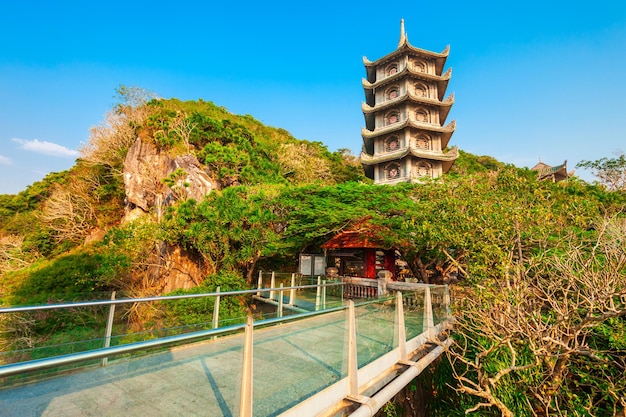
x,y
4,160
47,148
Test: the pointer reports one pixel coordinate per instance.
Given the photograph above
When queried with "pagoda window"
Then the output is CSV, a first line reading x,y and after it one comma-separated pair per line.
x,y
392,117
392,171
391,69
422,116
421,90
392,144
424,169
392,92
420,66
423,142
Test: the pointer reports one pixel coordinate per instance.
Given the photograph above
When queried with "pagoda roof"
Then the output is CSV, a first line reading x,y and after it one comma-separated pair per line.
x,y
408,71
447,129
450,156
444,106
404,47
556,173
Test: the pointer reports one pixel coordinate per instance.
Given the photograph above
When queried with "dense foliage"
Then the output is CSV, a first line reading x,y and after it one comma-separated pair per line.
x,y
505,239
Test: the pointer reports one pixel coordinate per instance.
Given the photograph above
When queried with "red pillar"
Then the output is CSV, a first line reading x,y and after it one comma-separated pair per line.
x,y
369,263
390,262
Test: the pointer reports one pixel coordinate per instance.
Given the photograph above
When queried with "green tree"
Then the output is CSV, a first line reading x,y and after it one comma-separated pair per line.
x,y
610,171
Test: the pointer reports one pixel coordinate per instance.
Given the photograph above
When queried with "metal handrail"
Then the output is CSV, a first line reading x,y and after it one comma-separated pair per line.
x,y
155,298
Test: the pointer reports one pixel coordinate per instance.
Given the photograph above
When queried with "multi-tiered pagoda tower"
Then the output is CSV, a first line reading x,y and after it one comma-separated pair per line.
x,y
404,135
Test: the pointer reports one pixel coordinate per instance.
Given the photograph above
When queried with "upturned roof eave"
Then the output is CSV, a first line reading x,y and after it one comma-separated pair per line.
x,y
449,128
367,159
447,103
407,71
407,47
451,156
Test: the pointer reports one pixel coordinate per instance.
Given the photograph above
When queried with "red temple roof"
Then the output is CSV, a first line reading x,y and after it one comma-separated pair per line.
x,y
362,239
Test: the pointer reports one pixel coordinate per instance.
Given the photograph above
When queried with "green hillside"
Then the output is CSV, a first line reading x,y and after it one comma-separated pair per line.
x,y
539,267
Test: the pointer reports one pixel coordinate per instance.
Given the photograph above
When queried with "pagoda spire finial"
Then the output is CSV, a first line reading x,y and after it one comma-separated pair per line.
x,y
402,34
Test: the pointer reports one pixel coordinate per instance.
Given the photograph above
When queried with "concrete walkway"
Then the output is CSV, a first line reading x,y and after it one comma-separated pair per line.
x,y
291,362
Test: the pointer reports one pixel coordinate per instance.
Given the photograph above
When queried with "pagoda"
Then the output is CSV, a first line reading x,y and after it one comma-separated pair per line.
x,y
404,136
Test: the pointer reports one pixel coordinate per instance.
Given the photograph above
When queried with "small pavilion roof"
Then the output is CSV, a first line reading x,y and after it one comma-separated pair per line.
x,y
556,173
363,236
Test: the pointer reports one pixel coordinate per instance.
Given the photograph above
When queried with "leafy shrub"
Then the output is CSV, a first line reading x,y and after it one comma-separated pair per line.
x,y
69,277
199,311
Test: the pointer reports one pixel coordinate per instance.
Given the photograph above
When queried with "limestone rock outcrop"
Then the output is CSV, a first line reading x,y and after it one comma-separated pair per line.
x,y
145,168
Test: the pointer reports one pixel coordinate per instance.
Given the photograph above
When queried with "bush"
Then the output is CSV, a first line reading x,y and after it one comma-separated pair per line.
x,y
199,311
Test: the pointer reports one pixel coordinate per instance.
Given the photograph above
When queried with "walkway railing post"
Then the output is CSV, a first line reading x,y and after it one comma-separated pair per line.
x,y
245,401
400,327
109,329
446,302
216,311
273,285
428,324
280,301
324,294
259,284
353,363
292,292
318,295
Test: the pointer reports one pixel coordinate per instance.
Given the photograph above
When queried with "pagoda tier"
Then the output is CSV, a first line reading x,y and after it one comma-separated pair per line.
x,y
445,131
405,51
443,107
404,136
450,156
440,81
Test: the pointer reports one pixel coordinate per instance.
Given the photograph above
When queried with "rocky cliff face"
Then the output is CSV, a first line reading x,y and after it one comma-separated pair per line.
x,y
144,171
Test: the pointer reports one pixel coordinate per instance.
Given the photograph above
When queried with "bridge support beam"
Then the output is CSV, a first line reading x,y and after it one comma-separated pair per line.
x,y
376,402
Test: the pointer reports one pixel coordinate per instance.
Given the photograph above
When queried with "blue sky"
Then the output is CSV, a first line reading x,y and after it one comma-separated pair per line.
x,y
533,79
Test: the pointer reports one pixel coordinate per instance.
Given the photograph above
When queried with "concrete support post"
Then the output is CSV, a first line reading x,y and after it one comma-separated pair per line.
x,y
384,277
353,363
109,329
324,294
400,327
318,295
429,324
245,400
382,287
273,285
216,311
259,284
280,301
292,292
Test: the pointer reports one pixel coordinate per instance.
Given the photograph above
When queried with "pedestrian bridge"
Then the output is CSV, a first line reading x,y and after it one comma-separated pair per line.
x,y
321,355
